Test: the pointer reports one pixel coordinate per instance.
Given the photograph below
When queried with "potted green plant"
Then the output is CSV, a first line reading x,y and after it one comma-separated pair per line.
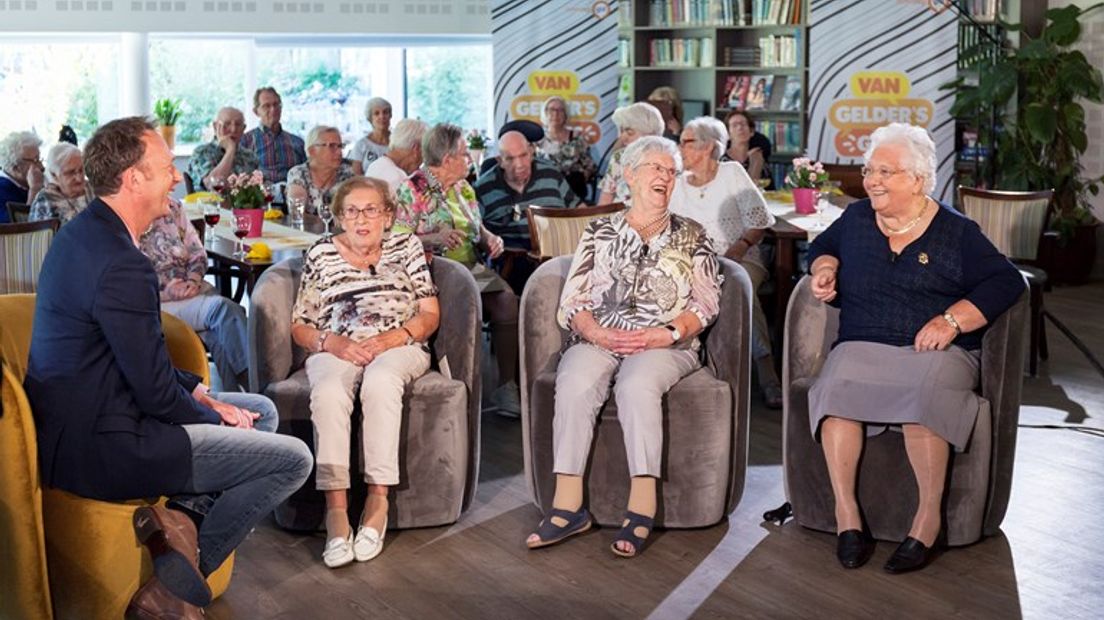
x,y
167,112
1043,135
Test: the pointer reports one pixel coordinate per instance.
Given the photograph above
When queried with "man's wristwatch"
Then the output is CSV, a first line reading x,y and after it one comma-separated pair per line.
x,y
676,335
948,317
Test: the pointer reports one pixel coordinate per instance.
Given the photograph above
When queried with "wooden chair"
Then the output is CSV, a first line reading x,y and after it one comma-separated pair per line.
x,y
556,232
1015,223
19,212
850,179
22,249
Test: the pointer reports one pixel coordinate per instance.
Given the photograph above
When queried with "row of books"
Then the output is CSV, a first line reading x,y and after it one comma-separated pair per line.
x,y
785,136
624,53
681,52
696,13
779,50
775,12
762,92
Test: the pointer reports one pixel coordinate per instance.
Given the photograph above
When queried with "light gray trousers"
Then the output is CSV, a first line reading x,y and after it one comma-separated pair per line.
x,y
639,381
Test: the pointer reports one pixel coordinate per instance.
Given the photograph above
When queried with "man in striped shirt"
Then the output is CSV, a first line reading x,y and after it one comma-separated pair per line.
x,y
277,149
518,180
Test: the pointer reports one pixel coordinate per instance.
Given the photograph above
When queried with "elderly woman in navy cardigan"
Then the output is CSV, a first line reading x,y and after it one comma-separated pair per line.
x,y
917,284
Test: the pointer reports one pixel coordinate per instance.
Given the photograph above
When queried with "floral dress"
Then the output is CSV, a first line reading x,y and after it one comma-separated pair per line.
x,y
426,208
175,249
318,197
571,156
614,182
51,203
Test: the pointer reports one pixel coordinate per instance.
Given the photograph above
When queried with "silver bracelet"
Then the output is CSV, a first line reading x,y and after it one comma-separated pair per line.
x,y
322,336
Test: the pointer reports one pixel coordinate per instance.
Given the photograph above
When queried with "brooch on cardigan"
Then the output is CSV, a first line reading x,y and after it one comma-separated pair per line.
x,y
923,258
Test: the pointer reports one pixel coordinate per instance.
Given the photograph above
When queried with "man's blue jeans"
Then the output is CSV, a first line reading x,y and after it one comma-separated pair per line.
x,y
239,476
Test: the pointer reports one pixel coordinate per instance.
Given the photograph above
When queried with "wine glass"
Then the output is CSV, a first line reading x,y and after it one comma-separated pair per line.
x,y
218,184
296,207
326,215
241,229
211,216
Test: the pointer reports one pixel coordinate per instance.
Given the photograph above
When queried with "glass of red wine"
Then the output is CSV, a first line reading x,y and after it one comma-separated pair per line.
x,y
211,216
241,229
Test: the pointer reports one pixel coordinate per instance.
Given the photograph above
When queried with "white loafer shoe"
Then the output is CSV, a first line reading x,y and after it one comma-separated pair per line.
x,y
369,542
338,552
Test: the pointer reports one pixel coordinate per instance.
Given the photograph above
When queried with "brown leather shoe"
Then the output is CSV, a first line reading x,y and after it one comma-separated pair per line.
x,y
153,601
172,541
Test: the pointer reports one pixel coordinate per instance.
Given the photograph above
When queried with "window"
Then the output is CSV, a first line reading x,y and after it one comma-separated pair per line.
x,y
451,85
44,85
206,75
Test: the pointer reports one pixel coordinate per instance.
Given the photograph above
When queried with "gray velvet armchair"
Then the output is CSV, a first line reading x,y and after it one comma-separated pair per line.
x,y
980,478
439,449
705,414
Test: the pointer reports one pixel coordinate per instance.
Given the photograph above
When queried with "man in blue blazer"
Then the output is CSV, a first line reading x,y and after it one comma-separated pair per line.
x,y
114,419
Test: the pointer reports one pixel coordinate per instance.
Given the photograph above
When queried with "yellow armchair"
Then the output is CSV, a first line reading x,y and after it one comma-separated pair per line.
x,y
66,555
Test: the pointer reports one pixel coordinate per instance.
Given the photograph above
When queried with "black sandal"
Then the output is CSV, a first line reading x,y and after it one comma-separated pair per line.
x,y
550,533
628,534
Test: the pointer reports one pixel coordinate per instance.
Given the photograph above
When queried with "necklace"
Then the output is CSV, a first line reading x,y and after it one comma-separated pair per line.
x,y
705,182
907,227
648,229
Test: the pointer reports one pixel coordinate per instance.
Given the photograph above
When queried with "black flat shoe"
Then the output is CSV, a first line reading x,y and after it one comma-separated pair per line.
x,y
911,555
854,548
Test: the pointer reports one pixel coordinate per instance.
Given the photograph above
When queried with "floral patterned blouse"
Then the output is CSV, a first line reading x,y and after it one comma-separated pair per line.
x,y
426,208
206,156
51,203
175,249
570,156
356,303
614,181
318,197
628,284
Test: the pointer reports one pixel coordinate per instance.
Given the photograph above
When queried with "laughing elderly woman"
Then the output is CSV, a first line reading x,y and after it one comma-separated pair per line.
x,y
917,284
365,309
66,193
642,286
634,121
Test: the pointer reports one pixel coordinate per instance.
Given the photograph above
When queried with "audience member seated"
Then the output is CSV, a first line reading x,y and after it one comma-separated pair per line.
x,y
666,99
565,147
642,286
20,170
66,193
277,150
748,147
114,420
723,199
315,181
634,121
176,252
437,204
376,144
213,162
366,308
910,329
404,156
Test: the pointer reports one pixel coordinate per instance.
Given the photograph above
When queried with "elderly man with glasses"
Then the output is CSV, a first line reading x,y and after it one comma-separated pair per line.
x,y
277,149
20,169
211,163
315,181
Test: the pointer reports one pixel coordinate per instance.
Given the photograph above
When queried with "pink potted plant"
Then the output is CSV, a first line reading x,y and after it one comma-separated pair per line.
x,y
248,196
806,179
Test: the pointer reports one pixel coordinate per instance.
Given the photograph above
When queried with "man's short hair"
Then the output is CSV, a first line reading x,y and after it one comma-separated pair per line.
x,y
115,147
263,89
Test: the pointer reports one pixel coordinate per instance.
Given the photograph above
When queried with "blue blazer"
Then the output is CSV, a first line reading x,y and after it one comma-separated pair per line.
x,y
107,402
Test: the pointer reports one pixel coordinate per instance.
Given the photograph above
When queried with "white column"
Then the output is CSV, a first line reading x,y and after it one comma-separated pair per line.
x,y
134,82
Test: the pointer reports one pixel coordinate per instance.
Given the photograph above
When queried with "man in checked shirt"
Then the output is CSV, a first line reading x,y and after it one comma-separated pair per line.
x,y
277,149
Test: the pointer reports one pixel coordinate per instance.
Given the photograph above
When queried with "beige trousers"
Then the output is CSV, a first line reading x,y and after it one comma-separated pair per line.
x,y
381,384
582,387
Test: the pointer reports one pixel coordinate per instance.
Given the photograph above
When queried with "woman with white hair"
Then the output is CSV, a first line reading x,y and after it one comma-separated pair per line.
x,y
374,145
66,193
635,121
20,169
722,197
404,156
917,284
567,148
315,180
643,284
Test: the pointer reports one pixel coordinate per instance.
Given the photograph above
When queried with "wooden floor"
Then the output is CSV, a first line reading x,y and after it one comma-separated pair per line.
x,y
1047,564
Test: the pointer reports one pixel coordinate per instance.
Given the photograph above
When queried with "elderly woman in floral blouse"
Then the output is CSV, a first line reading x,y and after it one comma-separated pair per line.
x,y
316,180
439,206
568,149
176,251
642,286
66,193
365,309
635,121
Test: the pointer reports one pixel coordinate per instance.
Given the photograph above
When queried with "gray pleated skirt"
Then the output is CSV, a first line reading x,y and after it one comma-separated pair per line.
x,y
886,386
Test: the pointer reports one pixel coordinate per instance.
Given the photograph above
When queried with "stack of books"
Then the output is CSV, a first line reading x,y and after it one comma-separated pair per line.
x,y
741,57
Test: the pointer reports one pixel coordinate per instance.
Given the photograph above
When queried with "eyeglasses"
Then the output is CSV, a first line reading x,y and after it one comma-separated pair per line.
x,y
34,161
881,174
662,170
687,141
330,145
371,212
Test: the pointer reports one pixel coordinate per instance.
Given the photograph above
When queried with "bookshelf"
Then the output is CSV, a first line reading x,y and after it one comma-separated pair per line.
x,y
704,48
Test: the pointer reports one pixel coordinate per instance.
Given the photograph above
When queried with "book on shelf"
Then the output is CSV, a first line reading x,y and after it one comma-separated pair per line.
x,y
785,136
791,95
778,50
696,13
759,93
624,53
735,92
984,10
680,52
741,57
775,12
624,14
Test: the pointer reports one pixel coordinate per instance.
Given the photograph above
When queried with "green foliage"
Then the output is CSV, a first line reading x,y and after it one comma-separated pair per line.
x,y
448,87
84,116
207,75
1045,136
318,85
167,111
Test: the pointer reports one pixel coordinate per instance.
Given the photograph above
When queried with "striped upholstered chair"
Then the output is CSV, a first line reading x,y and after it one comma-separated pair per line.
x,y
22,249
556,232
